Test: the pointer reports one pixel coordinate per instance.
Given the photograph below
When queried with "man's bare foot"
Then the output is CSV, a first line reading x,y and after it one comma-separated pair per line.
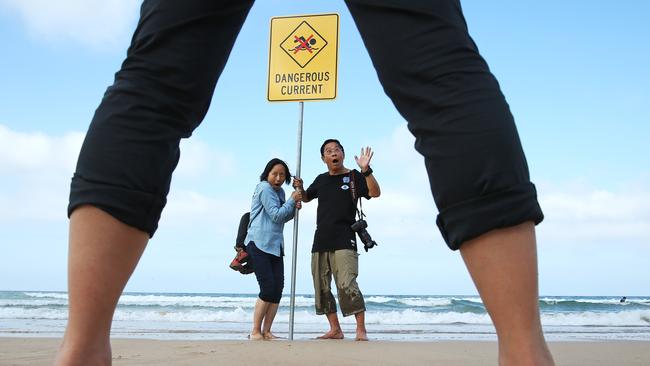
x,y
256,337
361,336
270,336
332,334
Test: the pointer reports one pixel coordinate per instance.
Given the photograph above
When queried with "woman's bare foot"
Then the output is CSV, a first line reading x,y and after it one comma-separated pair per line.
x,y
332,334
256,337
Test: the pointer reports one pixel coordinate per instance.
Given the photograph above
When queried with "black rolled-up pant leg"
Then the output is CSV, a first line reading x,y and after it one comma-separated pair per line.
x,y
432,71
160,95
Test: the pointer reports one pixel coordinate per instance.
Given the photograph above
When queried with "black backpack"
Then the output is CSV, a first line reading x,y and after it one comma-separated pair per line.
x,y
242,262
242,231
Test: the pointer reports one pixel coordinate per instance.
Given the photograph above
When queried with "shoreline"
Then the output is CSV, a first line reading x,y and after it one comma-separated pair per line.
x,y
40,351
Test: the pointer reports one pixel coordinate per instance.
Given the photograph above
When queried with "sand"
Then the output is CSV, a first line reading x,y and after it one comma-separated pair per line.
x,y
40,351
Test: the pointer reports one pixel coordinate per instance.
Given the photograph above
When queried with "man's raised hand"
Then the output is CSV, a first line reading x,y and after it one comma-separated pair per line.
x,y
364,159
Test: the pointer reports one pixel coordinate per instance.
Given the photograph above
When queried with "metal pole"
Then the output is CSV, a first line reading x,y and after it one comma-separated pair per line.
x,y
295,229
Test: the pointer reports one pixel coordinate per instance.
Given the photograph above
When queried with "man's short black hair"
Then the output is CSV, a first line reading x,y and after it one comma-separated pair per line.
x,y
273,162
322,147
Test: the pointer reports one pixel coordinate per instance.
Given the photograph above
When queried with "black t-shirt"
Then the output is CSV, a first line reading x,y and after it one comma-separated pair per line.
x,y
336,210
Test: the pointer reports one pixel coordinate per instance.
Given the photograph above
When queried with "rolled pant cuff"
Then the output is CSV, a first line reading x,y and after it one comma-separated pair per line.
x,y
353,312
138,209
470,219
325,312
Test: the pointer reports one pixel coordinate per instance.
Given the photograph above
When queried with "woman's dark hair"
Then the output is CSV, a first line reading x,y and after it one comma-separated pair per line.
x,y
270,165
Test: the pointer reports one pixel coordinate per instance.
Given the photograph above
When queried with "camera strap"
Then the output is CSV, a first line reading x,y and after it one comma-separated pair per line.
x,y
356,199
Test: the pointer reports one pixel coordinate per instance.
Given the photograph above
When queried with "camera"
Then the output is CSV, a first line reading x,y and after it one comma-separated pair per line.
x,y
360,228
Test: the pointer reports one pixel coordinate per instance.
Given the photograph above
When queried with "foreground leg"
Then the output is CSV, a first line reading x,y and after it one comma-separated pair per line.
x,y
103,253
160,94
503,265
435,76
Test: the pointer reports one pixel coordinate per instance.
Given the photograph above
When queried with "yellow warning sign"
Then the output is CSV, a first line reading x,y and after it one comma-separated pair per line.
x,y
303,57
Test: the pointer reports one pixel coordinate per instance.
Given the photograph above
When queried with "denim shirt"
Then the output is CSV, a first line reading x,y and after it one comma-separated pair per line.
x,y
269,212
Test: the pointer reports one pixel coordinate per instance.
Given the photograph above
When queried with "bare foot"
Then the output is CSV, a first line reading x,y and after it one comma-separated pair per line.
x,y
256,337
332,334
68,356
270,336
361,336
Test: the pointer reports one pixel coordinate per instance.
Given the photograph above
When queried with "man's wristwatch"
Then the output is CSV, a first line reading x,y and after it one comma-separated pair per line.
x,y
367,172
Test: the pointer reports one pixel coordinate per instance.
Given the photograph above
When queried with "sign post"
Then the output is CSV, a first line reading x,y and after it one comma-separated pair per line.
x,y
303,59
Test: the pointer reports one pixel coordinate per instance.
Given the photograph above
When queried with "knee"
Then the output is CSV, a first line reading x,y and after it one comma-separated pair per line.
x,y
271,292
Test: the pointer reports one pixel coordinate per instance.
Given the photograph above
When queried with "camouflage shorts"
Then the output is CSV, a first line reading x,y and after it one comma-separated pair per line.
x,y
344,265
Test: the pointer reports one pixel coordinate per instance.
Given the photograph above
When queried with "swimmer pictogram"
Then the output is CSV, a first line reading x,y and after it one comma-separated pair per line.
x,y
303,44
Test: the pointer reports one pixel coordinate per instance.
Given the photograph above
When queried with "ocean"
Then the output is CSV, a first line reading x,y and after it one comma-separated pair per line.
x,y
193,316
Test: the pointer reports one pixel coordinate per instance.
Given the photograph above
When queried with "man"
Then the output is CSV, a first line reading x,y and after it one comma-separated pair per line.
x,y
429,67
334,252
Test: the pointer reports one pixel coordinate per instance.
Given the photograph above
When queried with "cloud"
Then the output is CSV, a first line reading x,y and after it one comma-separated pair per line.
x,y
406,203
36,171
94,23
574,213
37,168
583,213
35,153
190,209
200,161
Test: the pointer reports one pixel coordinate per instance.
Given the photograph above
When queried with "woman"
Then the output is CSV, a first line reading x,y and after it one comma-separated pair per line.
x,y
269,212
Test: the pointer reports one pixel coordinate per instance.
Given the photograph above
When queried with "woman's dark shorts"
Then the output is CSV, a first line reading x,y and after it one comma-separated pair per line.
x,y
269,271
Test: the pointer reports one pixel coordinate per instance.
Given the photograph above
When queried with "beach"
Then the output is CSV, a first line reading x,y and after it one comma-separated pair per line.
x,y
41,351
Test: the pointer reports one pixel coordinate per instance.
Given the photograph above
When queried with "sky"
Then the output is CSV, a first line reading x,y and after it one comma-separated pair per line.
x,y
575,74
